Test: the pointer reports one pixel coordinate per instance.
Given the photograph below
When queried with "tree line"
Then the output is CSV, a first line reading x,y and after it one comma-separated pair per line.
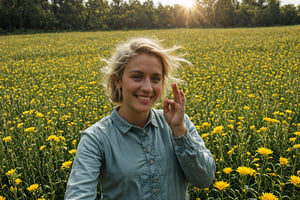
x,y
61,15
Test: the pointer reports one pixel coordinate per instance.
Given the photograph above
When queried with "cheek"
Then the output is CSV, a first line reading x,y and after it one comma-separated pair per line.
x,y
158,88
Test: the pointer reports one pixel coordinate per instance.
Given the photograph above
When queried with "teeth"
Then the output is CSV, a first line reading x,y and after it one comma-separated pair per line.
x,y
144,98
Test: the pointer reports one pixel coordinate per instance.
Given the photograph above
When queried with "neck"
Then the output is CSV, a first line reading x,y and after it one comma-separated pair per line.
x,y
138,119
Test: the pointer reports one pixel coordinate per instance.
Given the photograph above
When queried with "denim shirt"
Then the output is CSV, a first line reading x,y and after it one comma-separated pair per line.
x,y
139,163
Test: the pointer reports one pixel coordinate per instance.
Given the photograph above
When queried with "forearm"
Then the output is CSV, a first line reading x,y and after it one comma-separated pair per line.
x,y
195,160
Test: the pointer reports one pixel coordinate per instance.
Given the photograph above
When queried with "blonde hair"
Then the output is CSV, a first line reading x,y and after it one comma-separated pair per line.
x,y
136,46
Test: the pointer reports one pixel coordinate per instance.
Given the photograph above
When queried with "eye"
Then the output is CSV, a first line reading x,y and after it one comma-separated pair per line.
x,y
137,77
156,79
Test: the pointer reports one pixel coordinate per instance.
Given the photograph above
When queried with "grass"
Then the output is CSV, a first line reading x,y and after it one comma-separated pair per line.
x,y
242,95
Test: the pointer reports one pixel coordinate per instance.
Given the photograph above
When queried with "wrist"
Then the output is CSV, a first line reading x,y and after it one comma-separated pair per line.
x,y
179,131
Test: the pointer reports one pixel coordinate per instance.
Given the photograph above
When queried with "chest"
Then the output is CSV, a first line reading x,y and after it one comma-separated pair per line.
x,y
139,156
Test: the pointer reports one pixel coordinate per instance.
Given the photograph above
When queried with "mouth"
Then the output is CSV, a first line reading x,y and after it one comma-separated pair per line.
x,y
144,99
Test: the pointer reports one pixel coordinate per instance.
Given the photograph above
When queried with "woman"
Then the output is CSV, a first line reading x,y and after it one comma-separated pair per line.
x,y
138,152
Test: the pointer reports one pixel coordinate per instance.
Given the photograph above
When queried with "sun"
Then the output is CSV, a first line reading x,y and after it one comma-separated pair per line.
x,y
187,3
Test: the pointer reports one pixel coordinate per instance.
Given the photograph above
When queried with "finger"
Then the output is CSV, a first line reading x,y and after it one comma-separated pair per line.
x,y
182,98
167,104
176,93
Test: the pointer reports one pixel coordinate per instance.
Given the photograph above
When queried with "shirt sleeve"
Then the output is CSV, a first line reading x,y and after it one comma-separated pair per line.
x,y
196,161
83,180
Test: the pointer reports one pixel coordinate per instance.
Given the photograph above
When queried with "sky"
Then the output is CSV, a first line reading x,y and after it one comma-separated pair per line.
x,y
183,2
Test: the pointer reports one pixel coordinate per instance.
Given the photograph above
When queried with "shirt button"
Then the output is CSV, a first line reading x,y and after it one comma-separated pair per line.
x,y
148,149
155,191
155,180
151,162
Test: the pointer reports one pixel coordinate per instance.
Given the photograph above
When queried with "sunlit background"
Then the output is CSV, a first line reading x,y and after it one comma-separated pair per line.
x,y
190,2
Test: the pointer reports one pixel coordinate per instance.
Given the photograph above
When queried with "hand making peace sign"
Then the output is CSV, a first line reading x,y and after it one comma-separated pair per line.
x,y
174,111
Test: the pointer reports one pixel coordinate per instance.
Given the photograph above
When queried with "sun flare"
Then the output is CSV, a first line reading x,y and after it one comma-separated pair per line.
x,y
188,3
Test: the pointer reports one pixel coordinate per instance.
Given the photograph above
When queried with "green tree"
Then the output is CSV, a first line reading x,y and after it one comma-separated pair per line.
x,y
224,13
97,12
117,15
271,13
206,9
149,14
70,14
164,14
288,14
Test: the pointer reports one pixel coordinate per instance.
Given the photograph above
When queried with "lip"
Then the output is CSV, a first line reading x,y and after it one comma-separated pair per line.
x,y
143,99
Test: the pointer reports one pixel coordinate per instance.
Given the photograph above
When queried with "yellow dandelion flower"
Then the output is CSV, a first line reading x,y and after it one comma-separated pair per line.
x,y
292,139
246,108
273,174
296,146
263,129
13,189
18,181
268,196
205,135
230,152
295,180
297,133
218,129
29,130
7,139
270,120
73,151
19,125
283,161
221,185
51,137
264,151
11,172
246,171
252,127
230,126
42,147
33,187
205,124
39,114
74,142
241,118
66,164
25,112
2,198
227,170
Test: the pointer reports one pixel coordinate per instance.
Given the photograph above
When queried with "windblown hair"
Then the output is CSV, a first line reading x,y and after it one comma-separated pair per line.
x,y
132,48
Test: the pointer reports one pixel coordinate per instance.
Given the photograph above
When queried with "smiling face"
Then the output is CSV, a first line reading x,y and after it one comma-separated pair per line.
x,y
141,84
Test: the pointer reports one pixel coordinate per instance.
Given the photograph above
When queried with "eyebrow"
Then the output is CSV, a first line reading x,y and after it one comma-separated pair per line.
x,y
140,72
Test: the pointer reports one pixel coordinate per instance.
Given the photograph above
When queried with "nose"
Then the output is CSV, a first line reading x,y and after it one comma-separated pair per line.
x,y
147,86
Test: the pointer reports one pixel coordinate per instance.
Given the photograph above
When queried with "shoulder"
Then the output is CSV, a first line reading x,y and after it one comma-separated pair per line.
x,y
98,130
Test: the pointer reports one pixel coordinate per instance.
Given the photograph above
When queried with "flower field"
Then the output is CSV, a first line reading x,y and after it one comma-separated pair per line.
x,y
242,95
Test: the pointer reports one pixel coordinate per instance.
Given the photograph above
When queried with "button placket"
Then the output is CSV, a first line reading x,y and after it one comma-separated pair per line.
x,y
148,149
153,163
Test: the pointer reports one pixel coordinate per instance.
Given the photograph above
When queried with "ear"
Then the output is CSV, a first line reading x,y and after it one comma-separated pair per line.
x,y
117,82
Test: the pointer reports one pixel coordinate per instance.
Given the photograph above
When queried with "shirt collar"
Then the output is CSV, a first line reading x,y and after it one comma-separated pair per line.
x,y
124,126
